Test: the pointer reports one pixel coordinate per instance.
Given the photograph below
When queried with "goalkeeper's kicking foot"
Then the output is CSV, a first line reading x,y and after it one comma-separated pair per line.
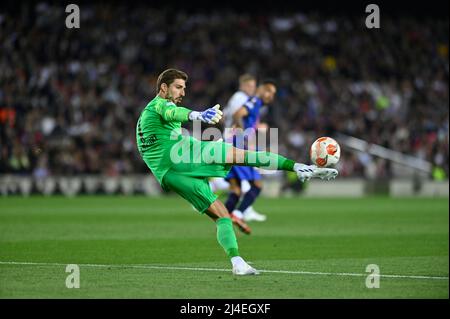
x,y
306,172
243,227
241,268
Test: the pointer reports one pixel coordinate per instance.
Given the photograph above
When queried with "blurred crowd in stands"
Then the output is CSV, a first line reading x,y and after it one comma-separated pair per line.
x,y
70,98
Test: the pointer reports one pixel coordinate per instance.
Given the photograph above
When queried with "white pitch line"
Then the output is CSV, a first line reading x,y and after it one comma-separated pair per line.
x,y
222,270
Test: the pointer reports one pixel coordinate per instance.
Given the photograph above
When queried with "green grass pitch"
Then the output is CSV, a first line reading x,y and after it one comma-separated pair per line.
x,y
138,247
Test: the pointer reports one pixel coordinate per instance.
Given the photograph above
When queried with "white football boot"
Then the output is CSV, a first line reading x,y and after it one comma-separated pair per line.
x,y
306,172
252,215
241,268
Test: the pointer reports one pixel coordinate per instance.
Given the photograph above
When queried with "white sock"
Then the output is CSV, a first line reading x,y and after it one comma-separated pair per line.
x,y
237,260
238,213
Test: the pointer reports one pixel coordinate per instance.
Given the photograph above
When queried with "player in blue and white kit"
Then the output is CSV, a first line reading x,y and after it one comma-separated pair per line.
x,y
247,88
247,119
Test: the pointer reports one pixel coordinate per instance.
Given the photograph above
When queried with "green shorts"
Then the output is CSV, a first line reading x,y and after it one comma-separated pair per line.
x,y
190,179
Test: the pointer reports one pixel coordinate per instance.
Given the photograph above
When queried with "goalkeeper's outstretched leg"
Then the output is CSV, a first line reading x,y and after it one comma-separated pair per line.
x,y
273,161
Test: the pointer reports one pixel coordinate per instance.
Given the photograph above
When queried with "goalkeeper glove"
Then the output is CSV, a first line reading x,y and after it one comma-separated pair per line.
x,y
210,116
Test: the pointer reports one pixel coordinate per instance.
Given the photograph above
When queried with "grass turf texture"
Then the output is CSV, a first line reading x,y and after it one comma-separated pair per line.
x,y
402,236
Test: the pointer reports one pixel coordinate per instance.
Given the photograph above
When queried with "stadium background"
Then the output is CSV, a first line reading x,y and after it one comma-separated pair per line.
x,y
70,98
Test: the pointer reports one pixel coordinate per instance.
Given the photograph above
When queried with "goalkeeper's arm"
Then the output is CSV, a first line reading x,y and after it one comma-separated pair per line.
x,y
170,112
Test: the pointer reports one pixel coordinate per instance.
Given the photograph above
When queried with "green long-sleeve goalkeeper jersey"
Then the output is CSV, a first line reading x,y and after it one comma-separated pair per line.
x,y
157,130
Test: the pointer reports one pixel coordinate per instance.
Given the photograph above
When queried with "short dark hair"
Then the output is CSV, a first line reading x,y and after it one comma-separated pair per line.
x,y
269,81
168,76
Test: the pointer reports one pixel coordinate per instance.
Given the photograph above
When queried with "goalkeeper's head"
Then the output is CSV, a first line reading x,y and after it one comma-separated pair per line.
x,y
171,85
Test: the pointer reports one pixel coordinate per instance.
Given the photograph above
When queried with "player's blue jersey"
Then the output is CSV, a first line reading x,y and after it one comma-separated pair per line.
x,y
253,105
250,123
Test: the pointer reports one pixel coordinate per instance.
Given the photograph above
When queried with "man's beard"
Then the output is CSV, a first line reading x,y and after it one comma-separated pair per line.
x,y
173,100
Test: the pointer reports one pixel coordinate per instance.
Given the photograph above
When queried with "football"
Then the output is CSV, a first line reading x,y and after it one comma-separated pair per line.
x,y
325,152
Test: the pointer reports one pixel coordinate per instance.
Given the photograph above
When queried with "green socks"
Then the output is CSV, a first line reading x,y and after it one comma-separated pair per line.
x,y
263,159
268,160
226,236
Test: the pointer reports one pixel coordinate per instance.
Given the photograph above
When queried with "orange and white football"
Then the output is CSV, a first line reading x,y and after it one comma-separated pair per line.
x,y
325,152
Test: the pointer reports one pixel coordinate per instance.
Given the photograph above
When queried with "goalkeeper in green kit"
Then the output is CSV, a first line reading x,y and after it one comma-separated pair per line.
x,y
183,164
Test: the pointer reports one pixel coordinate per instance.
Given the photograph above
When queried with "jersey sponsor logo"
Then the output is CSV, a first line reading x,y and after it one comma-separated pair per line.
x,y
146,142
152,139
